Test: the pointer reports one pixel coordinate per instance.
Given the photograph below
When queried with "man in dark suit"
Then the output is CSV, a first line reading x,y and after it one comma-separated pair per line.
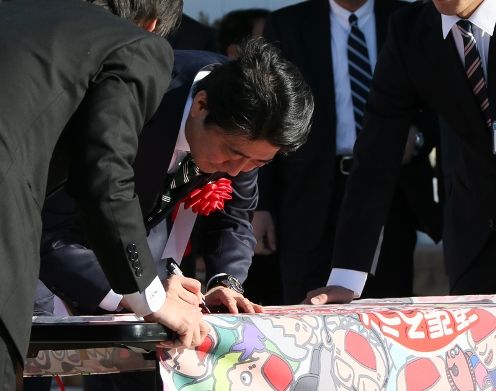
x,y
439,55
193,35
304,191
69,267
72,68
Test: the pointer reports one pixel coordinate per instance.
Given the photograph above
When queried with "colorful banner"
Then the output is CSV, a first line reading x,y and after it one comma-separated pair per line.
x,y
430,343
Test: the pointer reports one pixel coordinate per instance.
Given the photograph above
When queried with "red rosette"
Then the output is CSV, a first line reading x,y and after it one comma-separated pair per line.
x,y
210,197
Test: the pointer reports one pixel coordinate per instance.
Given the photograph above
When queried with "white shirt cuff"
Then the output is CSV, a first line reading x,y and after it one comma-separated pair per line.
x,y
111,302
144,303
353,280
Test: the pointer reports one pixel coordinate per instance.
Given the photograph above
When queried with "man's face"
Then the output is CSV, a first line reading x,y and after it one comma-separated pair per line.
x,y
462,8
215,150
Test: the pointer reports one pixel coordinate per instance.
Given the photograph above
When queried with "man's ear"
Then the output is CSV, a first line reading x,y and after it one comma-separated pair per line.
x,y
232,51
149,25
199,105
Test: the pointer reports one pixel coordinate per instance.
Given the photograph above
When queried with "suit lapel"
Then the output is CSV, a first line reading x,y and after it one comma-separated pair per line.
x,y
491,75
156,147
381,23
196,182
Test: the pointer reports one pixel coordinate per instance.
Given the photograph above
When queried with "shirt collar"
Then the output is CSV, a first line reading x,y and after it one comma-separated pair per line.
x,y
181,143
484,17
342,14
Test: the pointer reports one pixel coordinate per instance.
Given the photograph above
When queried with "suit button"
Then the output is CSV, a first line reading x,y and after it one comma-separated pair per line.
x,y
138,271
133,256
491,223
136,264
131,248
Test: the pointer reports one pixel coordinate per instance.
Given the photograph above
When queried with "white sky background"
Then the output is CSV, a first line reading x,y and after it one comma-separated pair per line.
x,y
215,9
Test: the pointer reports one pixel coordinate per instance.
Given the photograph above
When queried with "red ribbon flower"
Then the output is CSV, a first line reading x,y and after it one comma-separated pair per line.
x,y
210,197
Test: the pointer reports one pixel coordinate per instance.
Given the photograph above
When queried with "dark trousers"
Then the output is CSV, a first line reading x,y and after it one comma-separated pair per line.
x,y
10,363
479,278
307,270
263,284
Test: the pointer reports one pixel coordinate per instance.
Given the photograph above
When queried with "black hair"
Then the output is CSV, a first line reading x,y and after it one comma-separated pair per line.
x,y
167,12
261,96
236,27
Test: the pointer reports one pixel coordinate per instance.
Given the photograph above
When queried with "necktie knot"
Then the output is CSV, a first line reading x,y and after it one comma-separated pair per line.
x,y
175,186
353,20
465,27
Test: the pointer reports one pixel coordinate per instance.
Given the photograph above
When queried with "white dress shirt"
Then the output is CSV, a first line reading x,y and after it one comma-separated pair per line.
x,y
144,303
484,20
340,29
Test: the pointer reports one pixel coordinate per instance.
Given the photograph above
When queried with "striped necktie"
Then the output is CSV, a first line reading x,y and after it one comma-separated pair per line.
x,y
473,69
186,172
359,69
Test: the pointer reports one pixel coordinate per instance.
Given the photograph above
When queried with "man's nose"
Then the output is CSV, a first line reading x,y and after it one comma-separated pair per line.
x,y
236,166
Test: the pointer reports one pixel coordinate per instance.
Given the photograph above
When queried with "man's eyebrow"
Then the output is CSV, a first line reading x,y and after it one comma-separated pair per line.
x,y
237,152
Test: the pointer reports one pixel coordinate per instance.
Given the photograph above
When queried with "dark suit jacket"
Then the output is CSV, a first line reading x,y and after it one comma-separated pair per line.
x,y
69,267
299,187
418,68
70,67
193,35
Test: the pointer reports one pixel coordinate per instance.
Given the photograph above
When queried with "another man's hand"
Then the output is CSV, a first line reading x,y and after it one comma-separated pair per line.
x,y
234,302
183,288
183,318
265,233
329,294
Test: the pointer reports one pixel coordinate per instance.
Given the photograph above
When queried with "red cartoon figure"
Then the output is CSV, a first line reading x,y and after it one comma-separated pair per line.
x,y
357,362
263,371
195,363
423,374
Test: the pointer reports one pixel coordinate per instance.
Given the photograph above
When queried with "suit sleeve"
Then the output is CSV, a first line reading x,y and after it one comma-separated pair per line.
x,y
68,268
228,240
377,160
123,96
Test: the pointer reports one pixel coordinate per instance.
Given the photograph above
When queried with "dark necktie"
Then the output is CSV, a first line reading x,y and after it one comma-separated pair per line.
x,y
186,172
473,69
360,70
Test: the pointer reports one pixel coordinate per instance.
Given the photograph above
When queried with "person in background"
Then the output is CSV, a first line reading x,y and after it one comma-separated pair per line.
x,y
438,55
193,35
238,26
335,44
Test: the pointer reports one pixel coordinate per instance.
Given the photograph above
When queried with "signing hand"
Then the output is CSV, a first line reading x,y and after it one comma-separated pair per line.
x,y
183,318
329,294
265,233
234,302
183,288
